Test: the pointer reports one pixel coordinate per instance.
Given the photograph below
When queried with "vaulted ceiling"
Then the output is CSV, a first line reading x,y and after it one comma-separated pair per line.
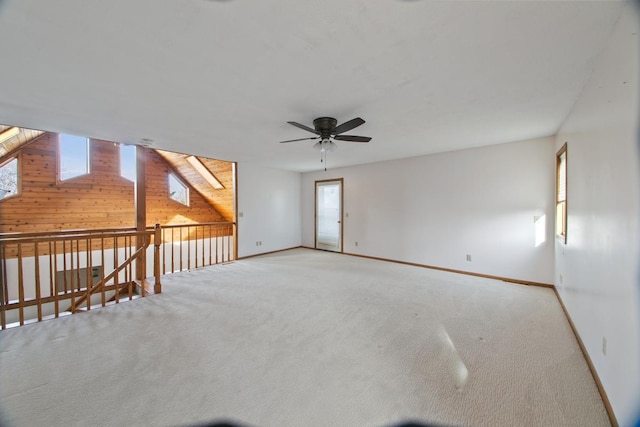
x,y
220,79
12,138
220,198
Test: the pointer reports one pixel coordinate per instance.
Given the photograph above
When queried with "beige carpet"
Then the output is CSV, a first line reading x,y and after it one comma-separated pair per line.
x,y
305,338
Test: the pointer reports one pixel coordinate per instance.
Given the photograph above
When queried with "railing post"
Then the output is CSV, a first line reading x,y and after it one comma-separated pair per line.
x,y
157,241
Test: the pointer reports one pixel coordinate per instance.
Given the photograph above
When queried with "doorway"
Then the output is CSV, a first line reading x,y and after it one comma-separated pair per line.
x,y
328,224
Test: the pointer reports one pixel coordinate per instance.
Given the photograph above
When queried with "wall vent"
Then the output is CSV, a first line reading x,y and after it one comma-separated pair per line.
x,y
77,277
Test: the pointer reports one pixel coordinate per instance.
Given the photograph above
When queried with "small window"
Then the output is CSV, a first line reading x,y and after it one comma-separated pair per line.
x,y
177,190
9,179
74,156
561,194
128,162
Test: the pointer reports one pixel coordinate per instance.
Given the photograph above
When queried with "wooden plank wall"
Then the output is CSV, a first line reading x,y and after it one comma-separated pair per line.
x,y
163,210
102,199
221,199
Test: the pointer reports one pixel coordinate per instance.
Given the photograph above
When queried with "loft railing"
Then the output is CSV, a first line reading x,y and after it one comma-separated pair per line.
x,y
46,275
187,246
51,274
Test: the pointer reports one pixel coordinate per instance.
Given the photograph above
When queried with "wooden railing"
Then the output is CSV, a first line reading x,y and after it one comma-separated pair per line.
x,y
47,275
50,274
187,246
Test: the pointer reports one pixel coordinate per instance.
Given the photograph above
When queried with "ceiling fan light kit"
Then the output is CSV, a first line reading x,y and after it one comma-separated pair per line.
x,y
325,145
327,130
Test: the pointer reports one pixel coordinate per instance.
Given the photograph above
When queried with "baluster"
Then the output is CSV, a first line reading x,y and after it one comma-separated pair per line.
x,y
64,266
127,257
164,249
78,282
103,291
156,258
51,286
210,238
181,243
89,272
173,236
127,269
71,276
196,246
116,279
217,227
228,242
130,268
188,247
36,257
20,285
56,294
146,241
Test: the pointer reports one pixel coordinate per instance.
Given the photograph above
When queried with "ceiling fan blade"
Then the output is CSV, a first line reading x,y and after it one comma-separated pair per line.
x,y
307,128
347,126
352,138
301,139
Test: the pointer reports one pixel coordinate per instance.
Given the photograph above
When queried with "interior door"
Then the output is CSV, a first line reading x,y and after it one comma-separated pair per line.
x,y
329,215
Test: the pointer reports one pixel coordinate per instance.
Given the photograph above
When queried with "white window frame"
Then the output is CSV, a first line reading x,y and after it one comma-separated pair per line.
x,y
60,160
135,172
182,183
561,193
18,181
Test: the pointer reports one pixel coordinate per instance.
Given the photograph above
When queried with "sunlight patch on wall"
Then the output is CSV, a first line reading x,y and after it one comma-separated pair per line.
x,y
540,224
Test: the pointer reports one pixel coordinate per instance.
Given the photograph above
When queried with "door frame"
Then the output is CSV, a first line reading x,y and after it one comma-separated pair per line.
x,y
315,212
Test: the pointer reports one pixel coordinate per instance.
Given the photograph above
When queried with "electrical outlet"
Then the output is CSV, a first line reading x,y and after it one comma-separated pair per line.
x,y
561,279
240,214
346,215
468,257
356,243
604,346
257,243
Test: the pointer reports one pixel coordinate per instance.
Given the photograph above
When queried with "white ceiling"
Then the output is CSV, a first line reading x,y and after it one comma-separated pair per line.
x,y
221,78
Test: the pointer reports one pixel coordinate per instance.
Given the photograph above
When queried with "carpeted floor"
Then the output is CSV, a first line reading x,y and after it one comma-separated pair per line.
x,y
305,338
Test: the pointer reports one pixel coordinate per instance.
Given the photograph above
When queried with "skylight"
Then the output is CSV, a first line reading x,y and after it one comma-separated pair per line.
x,y
204,172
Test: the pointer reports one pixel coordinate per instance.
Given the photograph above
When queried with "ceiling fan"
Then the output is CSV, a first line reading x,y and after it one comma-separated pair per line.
x,y
327,130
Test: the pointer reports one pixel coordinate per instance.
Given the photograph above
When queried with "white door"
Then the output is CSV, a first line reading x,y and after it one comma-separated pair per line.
x,y
329,215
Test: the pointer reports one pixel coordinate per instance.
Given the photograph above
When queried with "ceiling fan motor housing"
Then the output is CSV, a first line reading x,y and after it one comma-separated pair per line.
x,y
327,129
326,126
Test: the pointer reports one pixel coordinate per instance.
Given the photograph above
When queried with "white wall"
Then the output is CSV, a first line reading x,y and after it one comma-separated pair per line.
x,y
436,209
268,209
599,264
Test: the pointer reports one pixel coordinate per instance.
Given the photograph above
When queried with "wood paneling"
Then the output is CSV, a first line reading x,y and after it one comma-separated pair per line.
x,y
99,200
222,199
163,210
